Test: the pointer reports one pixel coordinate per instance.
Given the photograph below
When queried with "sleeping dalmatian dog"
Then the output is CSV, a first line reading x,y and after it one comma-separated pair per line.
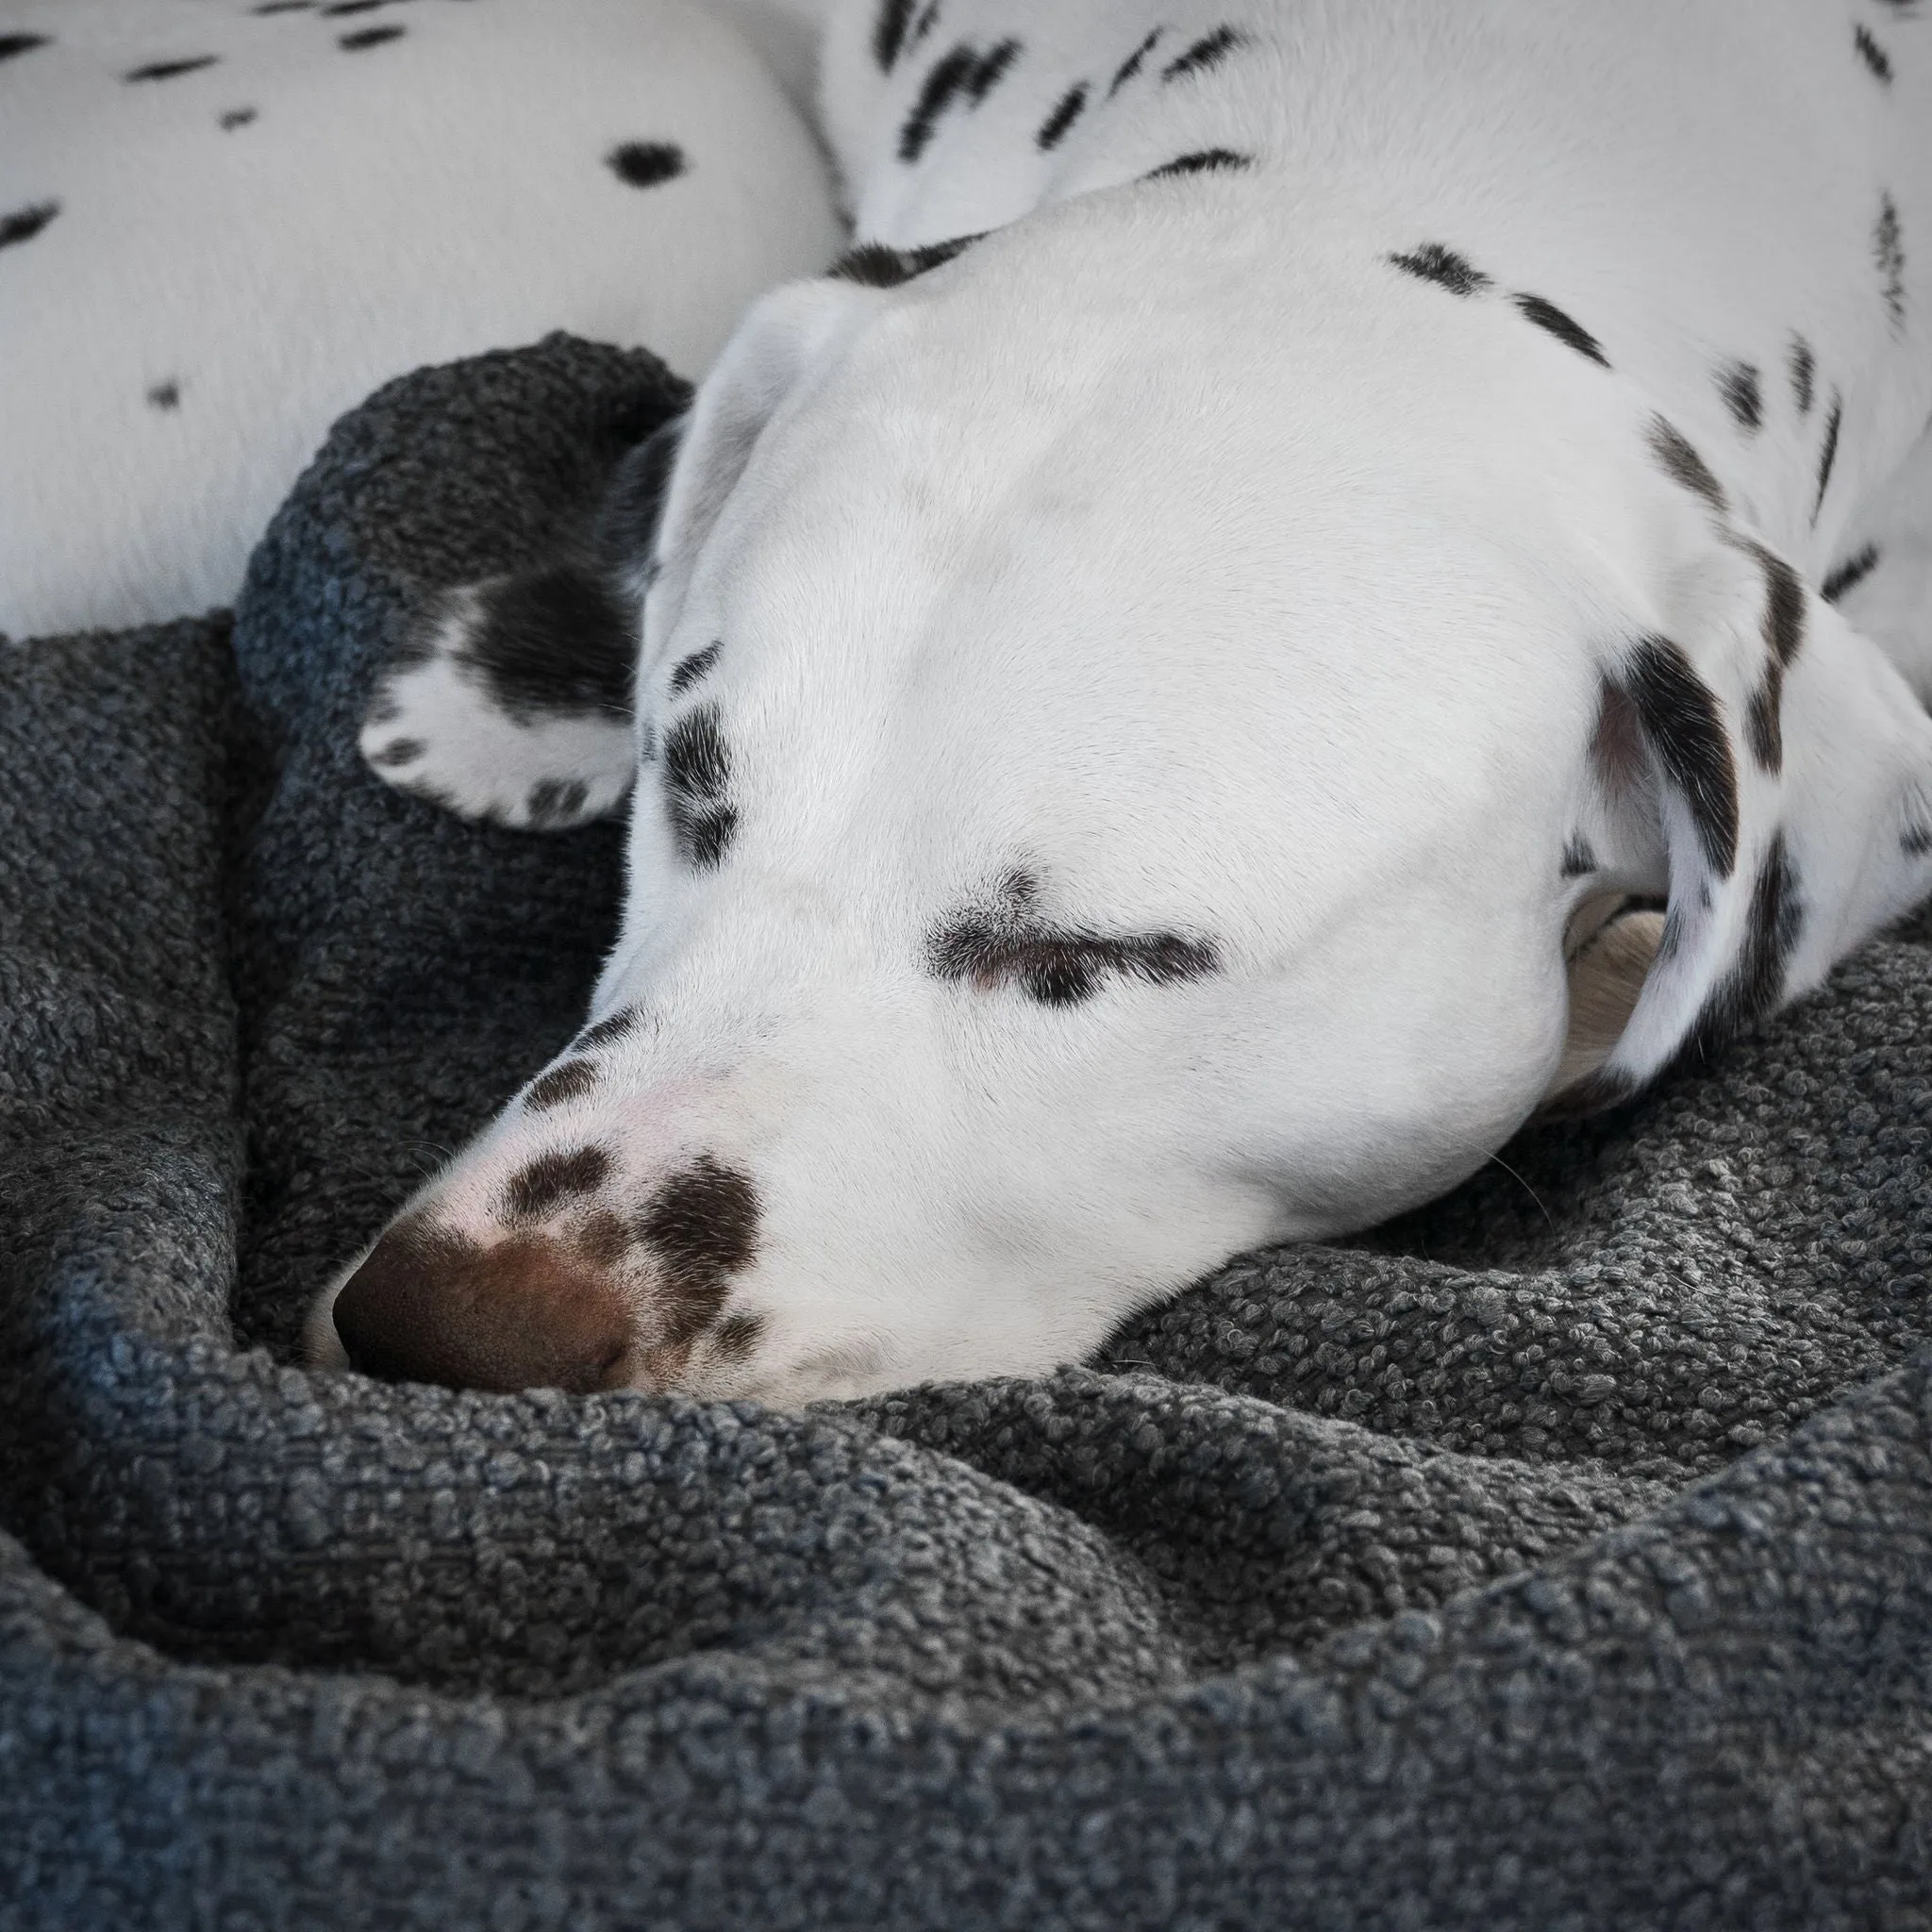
x,y
224,221
1163,677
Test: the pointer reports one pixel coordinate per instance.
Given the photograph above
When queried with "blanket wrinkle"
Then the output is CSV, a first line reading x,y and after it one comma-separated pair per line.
x,y
1559,1555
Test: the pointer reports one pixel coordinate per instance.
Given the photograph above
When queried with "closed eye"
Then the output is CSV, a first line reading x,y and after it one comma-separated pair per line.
x,y
1008,944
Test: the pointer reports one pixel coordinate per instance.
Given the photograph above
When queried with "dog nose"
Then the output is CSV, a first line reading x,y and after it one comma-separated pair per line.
x,y
430,1306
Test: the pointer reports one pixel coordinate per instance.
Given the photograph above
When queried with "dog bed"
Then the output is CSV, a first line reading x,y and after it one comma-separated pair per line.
x,y
1559,1557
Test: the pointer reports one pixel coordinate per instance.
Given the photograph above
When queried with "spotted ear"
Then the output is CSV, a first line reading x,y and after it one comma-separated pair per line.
x,y
512,702
1770,770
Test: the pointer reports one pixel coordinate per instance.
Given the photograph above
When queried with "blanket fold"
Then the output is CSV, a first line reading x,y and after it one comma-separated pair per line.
x,y
1559,1556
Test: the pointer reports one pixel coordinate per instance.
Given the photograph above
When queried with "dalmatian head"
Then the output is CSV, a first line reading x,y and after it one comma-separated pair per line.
x,y
1117,775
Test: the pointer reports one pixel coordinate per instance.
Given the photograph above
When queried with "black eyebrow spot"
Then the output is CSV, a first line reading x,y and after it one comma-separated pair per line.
x,y
1850,574
1432,262
1827,457
236,117
1210,50
1680,719
612,1026
11,44
1889,250
1683,464
1547,315
701,1228
697,769
1204,160
552,1179
167,70
1006,944
559,640
1752,985
736,1337
874,265
1804,367
568,1080
695,666
1052,129
963,72
398,751
1874,56
889,32
552,799
165,395
369,37
1579,857
23,224
645,163
1131,65
1737,384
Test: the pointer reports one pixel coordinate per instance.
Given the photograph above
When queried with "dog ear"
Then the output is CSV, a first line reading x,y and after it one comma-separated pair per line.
x,y
782,338
512,703
1771,770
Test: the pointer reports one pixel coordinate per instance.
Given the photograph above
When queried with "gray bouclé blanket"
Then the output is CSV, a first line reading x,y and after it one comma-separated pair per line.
x,y
1560,1558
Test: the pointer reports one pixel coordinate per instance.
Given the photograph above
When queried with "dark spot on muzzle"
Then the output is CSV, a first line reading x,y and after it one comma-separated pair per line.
x,y
428,1305
700,1228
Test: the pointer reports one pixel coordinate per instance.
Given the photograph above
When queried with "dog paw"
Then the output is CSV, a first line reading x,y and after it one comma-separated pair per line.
x,y
514,705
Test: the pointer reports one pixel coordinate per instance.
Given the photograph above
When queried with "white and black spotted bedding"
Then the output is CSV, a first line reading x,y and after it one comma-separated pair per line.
x,y
1561,1557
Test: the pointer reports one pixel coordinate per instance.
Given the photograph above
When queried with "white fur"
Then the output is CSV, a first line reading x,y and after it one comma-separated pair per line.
x,y
411,202
1173,546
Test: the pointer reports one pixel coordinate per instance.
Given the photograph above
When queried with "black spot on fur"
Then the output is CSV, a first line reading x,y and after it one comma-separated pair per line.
x,y
645,163
1784,637
1205,160
1889,251
552,642
398,751
167,70
165,395
341,6
701,1228
1210,51
875,266
1133,63
696,770
1680,720
569,1080
552,1180
1432,262
14,45
1737,384
738,1336
1850,574
1827,457
1579,857
1753,986
1053,130
369,36
1547,315
1683,464
1803,374
1874,56
695,666
236,117
23,224
1006,944
552,801
612,1026
923,24
967,74
889,32
1915,841
284,7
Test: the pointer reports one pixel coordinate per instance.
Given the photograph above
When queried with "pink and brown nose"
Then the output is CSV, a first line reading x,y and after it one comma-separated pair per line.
x,y
429,1305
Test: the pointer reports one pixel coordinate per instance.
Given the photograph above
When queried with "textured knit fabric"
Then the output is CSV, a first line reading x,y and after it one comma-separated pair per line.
x,y
1558,1558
